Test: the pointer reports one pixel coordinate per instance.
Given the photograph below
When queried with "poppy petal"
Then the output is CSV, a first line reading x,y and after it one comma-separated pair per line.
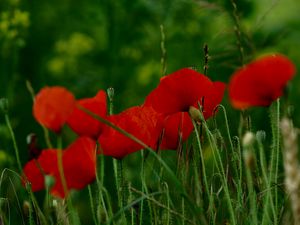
x,y
260,82
35,169
142,122
184,88
176,125
84,124
79,167
52,106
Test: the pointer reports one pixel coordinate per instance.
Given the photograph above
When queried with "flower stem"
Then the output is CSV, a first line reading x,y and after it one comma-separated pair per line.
x,y
7,120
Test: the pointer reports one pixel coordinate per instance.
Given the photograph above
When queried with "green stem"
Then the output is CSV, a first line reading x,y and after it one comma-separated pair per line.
x,y
14,142
132,137
268,201
202,163
61,166
235,155
219,165
237,30
251,195
92,205
275,119
163,51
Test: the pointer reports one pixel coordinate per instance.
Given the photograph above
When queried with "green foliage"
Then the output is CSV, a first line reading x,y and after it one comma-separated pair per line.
x,y
92,45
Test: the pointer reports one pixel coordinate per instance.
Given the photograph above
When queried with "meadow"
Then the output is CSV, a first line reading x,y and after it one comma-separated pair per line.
x,y
149,112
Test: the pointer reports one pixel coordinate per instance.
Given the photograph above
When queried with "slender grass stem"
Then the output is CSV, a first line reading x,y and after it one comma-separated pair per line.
x,y
202,162
167,219
92,205
268,202
248,158
273,175
237,30
157,203
132,137
218,161
13,138
234,153
61,166
163,51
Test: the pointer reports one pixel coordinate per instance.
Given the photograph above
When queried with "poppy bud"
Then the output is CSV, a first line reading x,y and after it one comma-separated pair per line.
x,y
49,181
195,114
260,135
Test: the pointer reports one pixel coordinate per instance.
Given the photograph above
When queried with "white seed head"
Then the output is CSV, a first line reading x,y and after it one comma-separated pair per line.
x,y
248,139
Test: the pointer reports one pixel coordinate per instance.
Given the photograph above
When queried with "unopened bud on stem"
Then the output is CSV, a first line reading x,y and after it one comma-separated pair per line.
x,y
195,114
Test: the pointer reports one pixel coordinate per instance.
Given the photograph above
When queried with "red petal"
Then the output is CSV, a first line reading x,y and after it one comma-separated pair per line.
x,y
79,167
175,125
52,106
34,170
84,124
142,122
260,82
79,164
182,89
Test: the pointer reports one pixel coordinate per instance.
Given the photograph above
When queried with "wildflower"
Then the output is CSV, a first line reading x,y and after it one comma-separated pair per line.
x,y
260,82
82,123
52,107
177,128
79,167
184,88
175,94
140,121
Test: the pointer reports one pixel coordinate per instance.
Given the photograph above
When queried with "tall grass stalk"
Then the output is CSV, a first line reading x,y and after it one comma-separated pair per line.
x,y
218,161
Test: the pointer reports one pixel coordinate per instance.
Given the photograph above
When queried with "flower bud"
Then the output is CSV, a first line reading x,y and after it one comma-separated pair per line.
x,y
49,181
195,114
261,135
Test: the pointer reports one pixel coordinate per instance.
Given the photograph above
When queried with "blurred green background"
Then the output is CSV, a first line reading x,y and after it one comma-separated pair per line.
x,y
91,45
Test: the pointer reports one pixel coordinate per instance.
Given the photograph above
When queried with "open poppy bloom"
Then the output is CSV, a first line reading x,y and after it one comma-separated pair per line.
x,y
142,122
184,88
52,107
79,167
84,124
177,128
260,82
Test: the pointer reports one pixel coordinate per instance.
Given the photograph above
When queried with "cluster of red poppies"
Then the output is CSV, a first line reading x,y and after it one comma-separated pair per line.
x,y
162,122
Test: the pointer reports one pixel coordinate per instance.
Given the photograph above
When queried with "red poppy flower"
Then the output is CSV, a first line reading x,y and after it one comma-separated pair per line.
x,y
184,88
79,166
52,106
175,126
142,122
84,124
260,82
